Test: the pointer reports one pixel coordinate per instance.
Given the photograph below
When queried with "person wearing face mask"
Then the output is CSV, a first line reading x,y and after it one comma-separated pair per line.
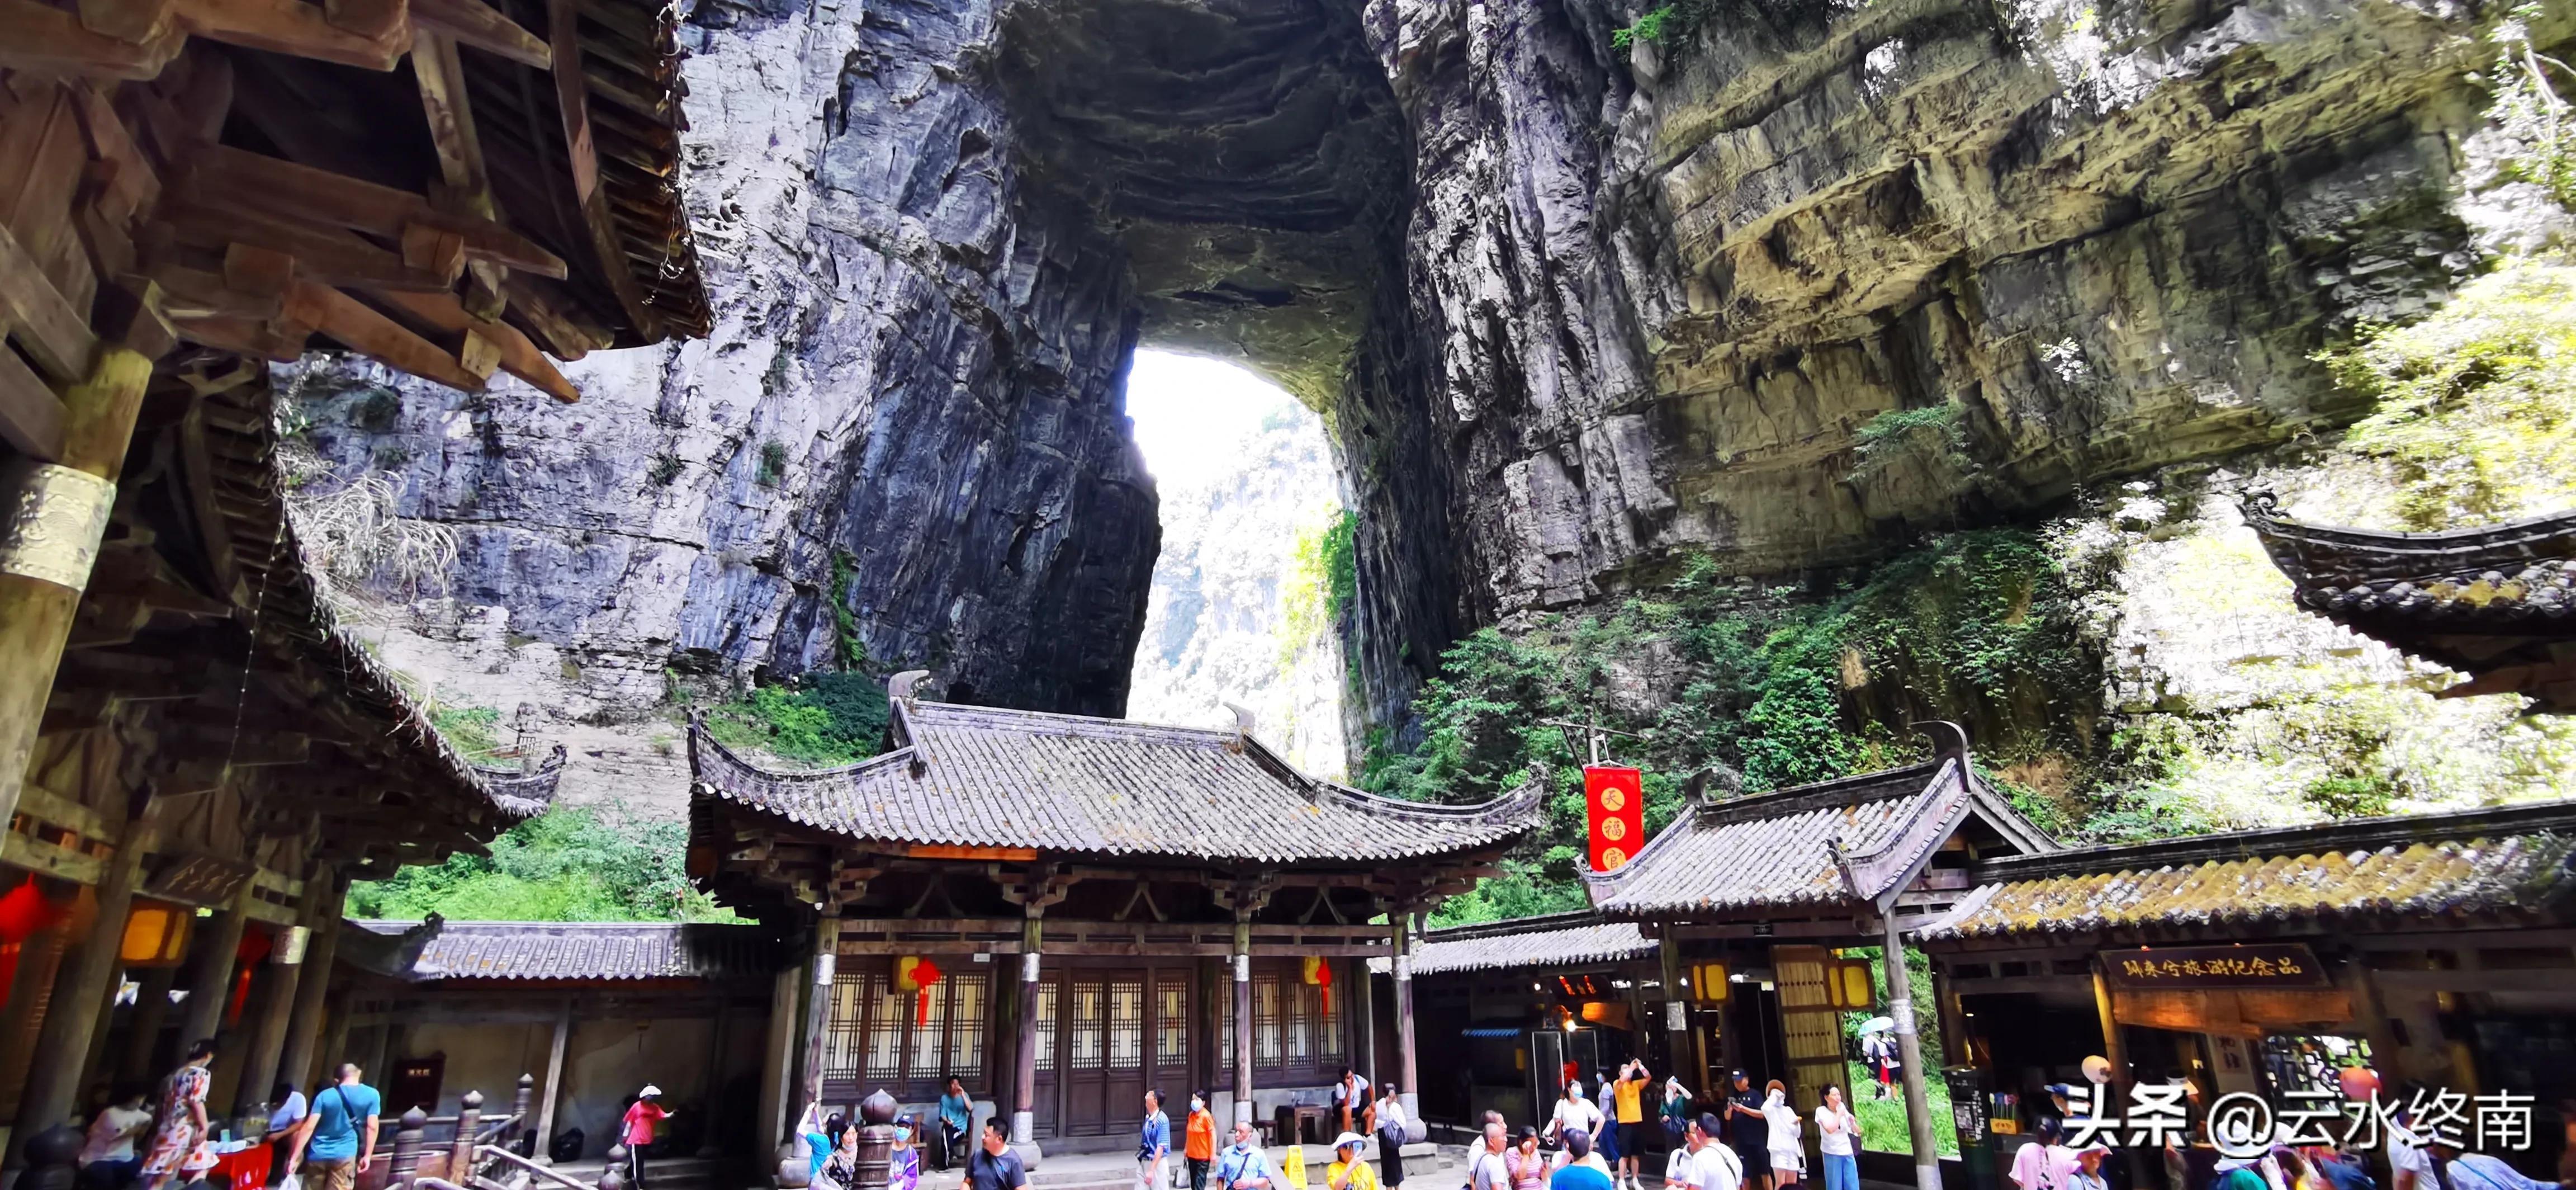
x,y
1198,1140
1784,1143
906,1157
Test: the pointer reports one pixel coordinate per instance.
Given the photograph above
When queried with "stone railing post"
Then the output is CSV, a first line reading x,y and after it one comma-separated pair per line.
x,y
614,1177
469,1123
409,1133
50,1156
876,1141
523,1101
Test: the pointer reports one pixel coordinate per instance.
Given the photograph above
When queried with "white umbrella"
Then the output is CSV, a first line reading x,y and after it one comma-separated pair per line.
x,y
1878,1024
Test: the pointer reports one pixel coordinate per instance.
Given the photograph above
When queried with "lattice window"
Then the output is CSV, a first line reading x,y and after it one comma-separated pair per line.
x,y
889,1014
1049,995
1328,1028
1089,1024
1225,1025
1266,1026
1301,1023
929,1023
1172,1023
845,1028
1127,1024
967,1015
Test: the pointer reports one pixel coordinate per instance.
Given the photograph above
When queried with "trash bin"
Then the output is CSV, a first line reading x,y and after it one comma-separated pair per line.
x,y
1968,1114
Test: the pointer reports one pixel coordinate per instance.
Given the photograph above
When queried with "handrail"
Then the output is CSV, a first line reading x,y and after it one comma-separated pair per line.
x,y
547,1172
492,1128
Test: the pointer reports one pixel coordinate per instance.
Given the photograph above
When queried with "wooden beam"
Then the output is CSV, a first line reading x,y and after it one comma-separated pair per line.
x,y
328,256
572,95
133,21
272,187
31,416
567,335
516,354
474,23
369,333
46,806
39,37
62,863
55,334
295,28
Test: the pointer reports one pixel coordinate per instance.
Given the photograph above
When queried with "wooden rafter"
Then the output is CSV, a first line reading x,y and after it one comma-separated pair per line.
x,y
572,95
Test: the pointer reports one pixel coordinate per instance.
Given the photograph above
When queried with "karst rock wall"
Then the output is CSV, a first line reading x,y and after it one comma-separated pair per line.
x,y
1574,311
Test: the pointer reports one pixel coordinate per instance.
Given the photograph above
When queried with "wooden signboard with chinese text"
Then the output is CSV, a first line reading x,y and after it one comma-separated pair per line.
x,y
2258,965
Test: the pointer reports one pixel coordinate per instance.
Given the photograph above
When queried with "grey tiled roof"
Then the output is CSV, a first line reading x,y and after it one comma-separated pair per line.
x,y
1536,942
1776,849
985,777
563,951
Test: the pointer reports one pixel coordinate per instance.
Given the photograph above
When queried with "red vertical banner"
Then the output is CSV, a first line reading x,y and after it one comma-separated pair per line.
x,y
1614,801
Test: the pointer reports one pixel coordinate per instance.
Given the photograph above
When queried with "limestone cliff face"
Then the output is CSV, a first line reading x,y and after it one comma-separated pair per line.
x,y
1652,298
1572,311
910,409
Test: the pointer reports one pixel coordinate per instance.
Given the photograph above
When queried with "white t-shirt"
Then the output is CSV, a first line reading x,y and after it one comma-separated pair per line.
x,y
108,1140
1576,1113
1784,1128
1834,1132
1486,1170
1354,1091
1716,1168
2405,1156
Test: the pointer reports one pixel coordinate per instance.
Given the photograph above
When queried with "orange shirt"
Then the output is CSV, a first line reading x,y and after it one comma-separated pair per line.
x,y
1199,1142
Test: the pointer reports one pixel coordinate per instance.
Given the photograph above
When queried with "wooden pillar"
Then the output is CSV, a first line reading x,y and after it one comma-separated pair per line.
x,y
1243,1016
1684,1061
1918,1100
313,988
334,1047
46,559
80,993
1024,1076
460,1152
210,982
775,1061
1363,993
818,1002
712,1083
553,1095
266,1056
523,1101
1404,1034
2143,1169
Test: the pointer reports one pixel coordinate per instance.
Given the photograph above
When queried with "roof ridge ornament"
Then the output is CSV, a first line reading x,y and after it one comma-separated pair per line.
x,y
1243,724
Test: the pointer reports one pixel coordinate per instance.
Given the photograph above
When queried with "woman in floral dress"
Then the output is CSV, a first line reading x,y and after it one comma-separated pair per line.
x,y
181,1146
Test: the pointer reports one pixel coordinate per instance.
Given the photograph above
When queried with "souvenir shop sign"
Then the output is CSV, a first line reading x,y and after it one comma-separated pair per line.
x,y
2189,968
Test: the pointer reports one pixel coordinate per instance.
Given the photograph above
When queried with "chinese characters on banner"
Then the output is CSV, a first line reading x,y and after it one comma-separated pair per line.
x,y
1614,802
2244,1125
2283,965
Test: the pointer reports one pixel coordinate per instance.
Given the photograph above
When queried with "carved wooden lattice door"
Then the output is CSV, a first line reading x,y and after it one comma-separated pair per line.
x,y
1811,1028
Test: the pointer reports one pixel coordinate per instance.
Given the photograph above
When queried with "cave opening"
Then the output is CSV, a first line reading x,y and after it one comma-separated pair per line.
x,y
1251,163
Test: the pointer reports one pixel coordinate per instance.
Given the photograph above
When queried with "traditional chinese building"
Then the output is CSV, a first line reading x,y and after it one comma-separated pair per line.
x,y
2437,947
194,761
2497,603
1068,910
1751,897
1515,1001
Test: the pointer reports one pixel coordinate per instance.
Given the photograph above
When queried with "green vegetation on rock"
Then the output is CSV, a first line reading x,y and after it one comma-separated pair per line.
x,y
822,720
473,731
564,865
1768,687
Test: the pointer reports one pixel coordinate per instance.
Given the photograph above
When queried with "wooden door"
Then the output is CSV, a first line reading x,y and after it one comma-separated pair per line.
x,y
1123,1082
1171,1039
1086,1054
415,1084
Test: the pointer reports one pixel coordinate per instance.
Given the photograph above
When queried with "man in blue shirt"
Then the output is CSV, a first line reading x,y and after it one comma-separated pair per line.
x,y
1243,1166
1582,1170
339,1133
1153,1143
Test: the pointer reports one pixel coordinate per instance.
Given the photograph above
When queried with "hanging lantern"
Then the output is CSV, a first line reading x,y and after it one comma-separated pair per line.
x,y
23,911
156,934
1318,973
255,946
917,974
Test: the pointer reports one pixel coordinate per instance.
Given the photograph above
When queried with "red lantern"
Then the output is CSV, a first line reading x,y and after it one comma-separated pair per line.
x,y
1615,802
23,912
254,947
917,975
